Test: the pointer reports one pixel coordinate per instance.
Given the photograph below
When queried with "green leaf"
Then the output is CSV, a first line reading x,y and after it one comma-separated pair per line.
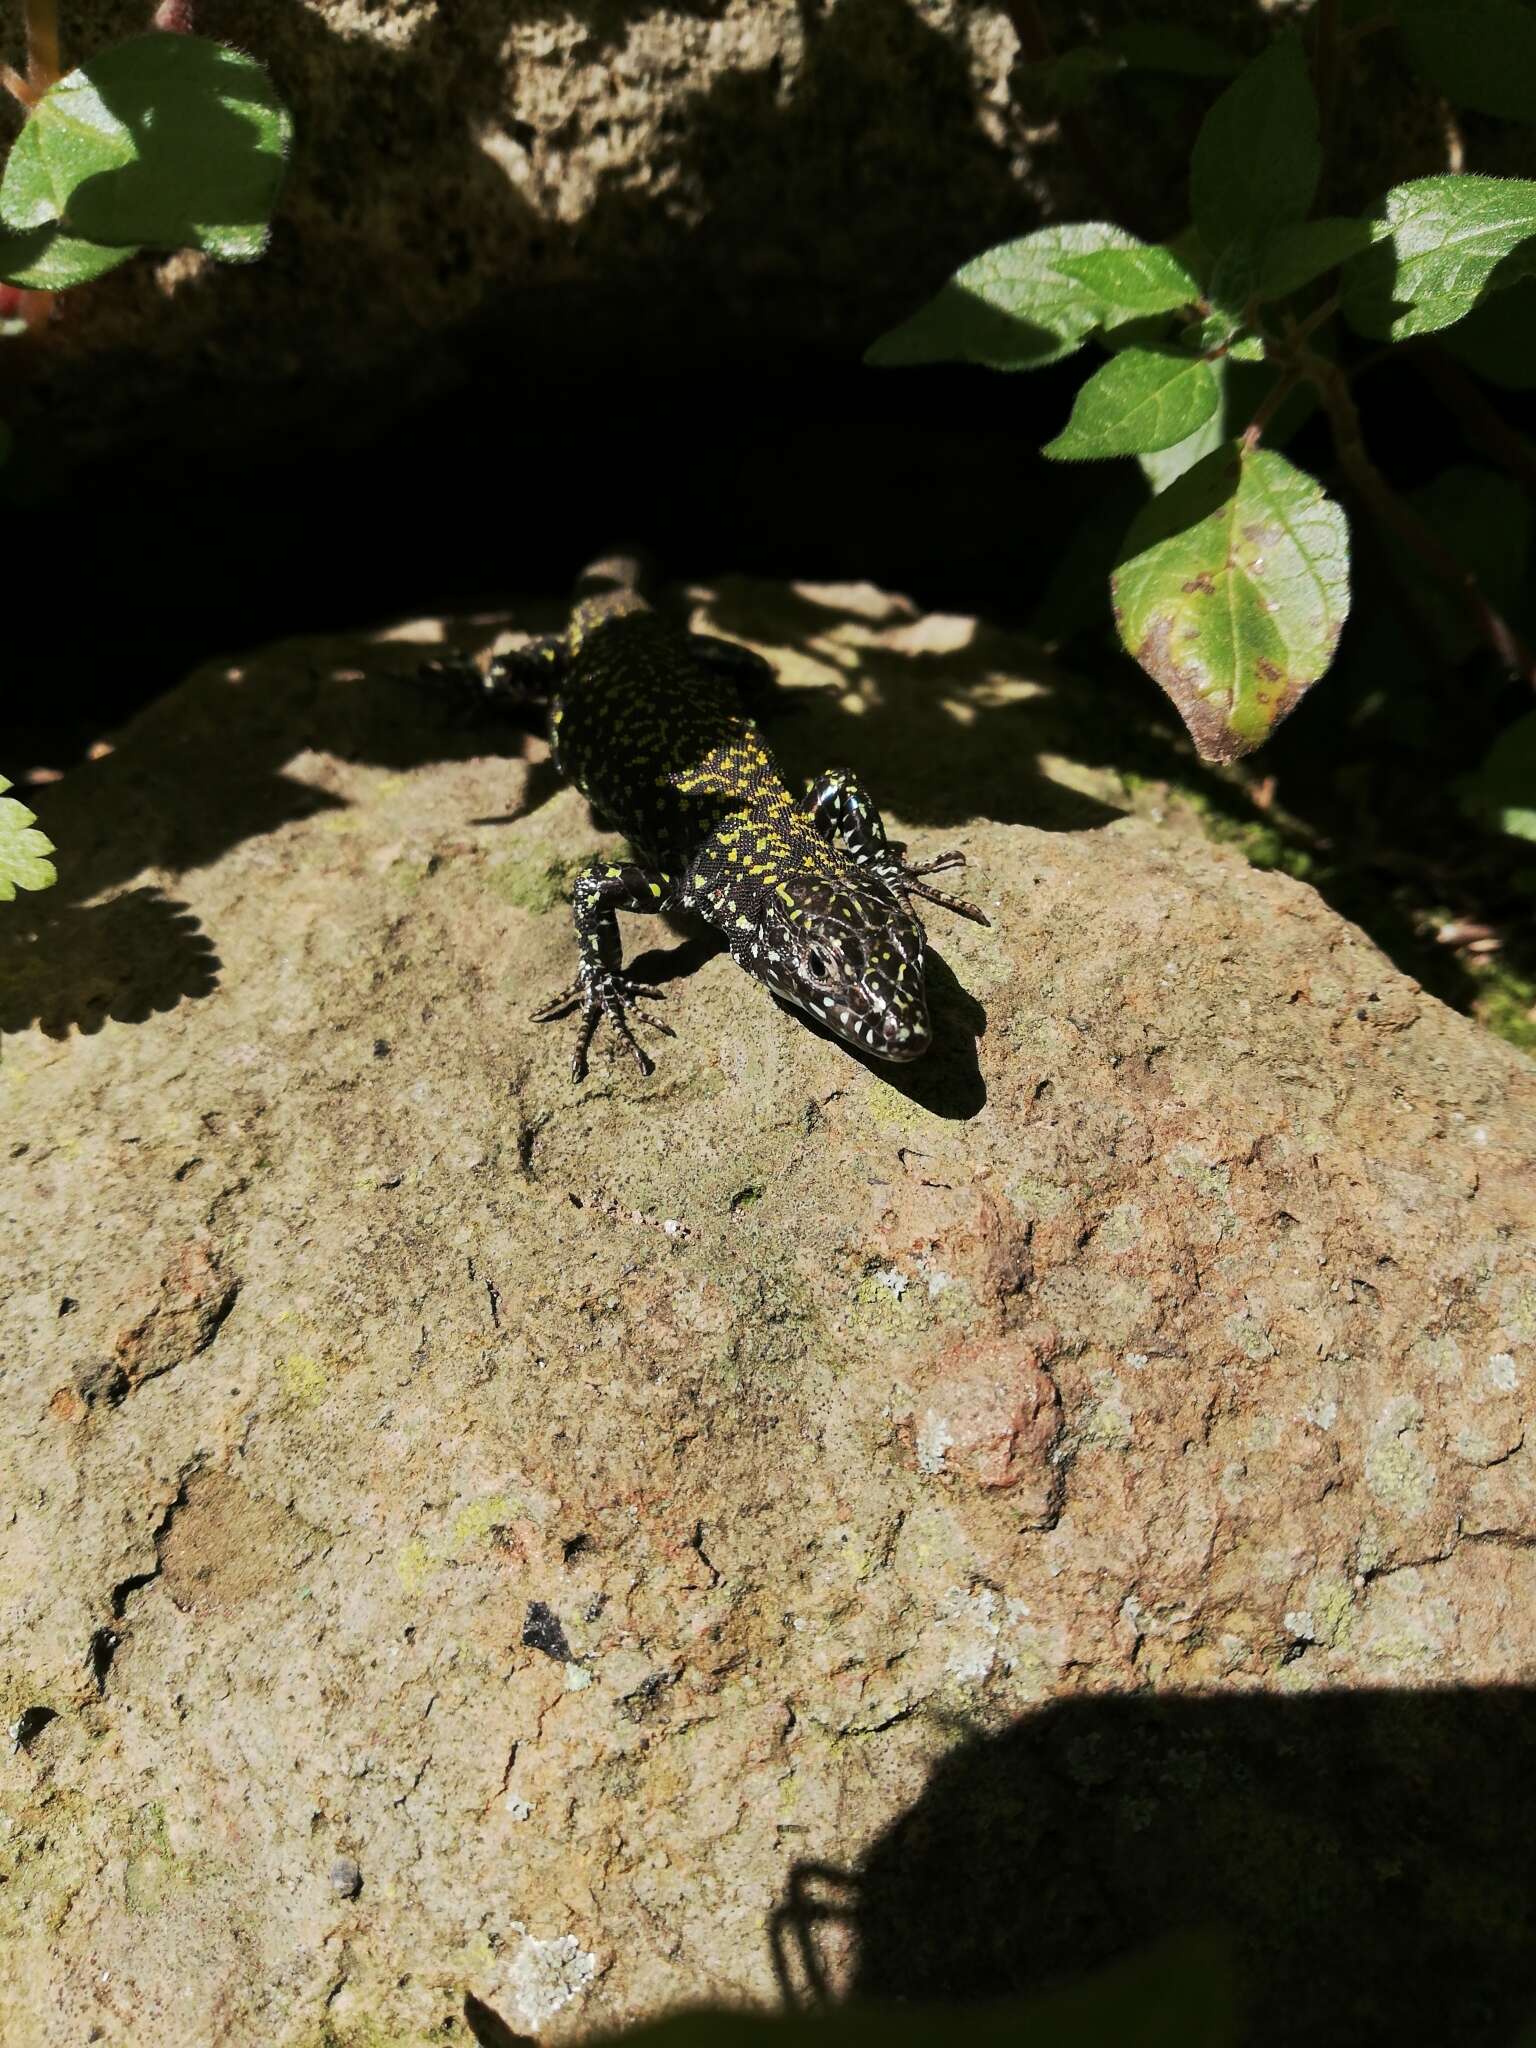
x,y
1010,308
1130,284
1164,466
1155,46
1244,385
1216,330
48,260
1501,793
163,141
1481,53
1141,399
23,851
1232,590
1439,245
1495,338
1257,157
1234,276
1294,256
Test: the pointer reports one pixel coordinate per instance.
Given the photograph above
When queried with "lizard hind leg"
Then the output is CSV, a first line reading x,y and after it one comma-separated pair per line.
x,y
601,988
842,809
522,680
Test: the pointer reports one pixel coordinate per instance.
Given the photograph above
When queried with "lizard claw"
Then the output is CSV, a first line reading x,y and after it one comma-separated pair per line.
x,y
602,993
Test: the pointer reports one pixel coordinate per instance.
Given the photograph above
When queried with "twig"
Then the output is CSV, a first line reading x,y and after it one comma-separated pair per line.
x,y
42,45
1272,400
1035,46
42,55
1395,512
1289,358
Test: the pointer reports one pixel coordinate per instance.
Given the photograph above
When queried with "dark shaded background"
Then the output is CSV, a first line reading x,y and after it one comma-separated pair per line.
x,y
927,481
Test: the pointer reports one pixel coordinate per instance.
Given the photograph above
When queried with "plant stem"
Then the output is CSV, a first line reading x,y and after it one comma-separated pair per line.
x,y
42,45
1396,513
1035,47
1278,392
42,55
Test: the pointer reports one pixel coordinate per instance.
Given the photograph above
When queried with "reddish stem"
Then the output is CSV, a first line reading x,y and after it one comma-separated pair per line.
x,y
42,46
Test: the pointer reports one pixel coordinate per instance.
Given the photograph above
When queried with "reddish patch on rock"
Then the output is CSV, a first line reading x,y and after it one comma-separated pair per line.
x,y
67,1406
935,1232
990,1414
173,1317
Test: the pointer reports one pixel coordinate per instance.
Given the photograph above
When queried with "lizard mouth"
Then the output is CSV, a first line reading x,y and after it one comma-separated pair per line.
x,y
896,1051
890,1036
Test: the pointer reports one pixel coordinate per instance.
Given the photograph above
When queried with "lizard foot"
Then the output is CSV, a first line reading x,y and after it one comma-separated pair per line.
x,y
598,992
907,877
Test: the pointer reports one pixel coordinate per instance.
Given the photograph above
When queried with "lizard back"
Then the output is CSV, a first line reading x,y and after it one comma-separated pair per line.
x,y
663,750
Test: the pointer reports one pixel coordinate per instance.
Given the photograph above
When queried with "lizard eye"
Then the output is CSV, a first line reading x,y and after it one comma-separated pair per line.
x,y
817,963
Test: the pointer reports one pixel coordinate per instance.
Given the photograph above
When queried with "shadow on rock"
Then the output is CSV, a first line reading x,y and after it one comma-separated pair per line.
x,y
70,966
922,717
1372,1854
488,2027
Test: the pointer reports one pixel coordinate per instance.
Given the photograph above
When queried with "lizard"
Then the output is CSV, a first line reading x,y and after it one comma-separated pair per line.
x,y
654,726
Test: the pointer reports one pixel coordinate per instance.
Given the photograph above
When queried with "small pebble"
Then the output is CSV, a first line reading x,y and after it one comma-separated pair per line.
x,y
346,1878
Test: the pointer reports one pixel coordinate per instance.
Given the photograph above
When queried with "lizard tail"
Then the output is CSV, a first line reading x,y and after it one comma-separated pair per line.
x,y
618,568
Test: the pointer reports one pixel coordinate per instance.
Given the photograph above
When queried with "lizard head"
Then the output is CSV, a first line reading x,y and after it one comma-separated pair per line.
x,y
851,956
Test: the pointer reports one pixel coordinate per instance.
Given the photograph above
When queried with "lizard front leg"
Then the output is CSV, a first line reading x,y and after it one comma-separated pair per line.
x,y
601,989
842,809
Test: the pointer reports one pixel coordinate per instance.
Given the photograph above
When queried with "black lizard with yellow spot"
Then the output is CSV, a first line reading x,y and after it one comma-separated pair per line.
x,y
652,726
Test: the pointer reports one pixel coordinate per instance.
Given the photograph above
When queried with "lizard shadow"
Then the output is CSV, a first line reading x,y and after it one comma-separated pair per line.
x,y
947,1080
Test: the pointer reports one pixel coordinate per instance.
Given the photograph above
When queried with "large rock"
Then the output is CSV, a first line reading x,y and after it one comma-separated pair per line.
x,y
466,1531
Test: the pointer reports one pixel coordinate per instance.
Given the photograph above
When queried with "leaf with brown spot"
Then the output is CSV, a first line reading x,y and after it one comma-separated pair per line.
x,y
1232,589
